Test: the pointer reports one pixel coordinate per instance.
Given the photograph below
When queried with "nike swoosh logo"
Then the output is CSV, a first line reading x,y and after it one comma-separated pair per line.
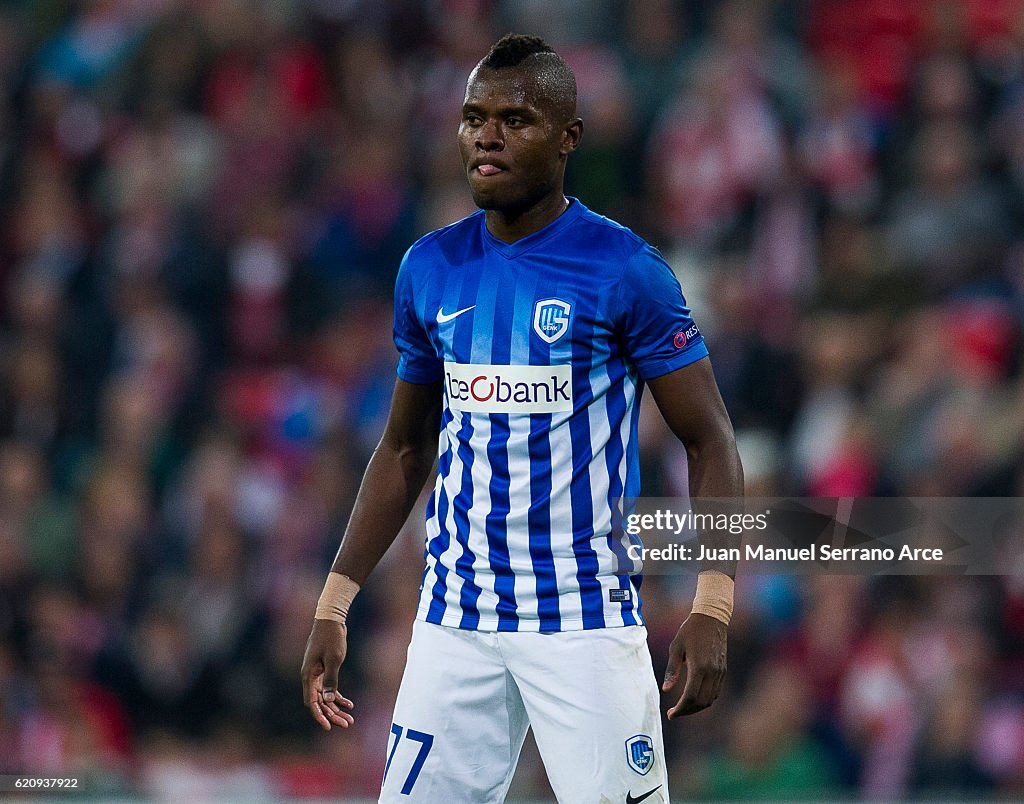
x,y
638,799
442,318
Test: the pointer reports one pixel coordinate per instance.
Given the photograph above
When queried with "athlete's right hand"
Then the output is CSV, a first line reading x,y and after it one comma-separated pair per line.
x,y
325,651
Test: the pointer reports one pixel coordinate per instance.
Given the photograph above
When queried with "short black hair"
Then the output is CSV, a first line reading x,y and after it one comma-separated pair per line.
x,y
513,49
556,77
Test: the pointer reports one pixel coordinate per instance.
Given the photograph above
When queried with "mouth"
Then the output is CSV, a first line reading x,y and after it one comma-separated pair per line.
x,y
489,169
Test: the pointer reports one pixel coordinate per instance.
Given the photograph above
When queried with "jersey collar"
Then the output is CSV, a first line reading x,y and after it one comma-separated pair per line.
x,y
511,250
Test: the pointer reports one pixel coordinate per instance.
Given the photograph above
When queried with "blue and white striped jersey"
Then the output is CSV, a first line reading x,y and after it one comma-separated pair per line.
x,y
542,347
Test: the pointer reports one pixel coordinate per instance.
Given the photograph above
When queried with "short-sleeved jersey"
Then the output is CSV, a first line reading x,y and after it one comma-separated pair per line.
x,y
541,347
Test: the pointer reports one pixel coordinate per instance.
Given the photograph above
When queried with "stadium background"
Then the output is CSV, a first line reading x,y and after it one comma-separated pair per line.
x,y
203,208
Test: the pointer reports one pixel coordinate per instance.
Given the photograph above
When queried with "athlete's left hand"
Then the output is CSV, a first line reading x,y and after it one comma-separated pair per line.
x,y
325,651
699,647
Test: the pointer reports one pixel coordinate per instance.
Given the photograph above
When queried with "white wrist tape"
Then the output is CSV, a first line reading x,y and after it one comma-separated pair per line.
x,y
714,596
336,598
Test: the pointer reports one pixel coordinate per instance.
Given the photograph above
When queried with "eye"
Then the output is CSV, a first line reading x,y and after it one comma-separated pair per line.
x,y
471,119
514,121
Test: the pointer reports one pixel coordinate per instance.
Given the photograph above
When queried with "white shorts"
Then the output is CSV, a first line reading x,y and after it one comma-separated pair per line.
x,y
468,697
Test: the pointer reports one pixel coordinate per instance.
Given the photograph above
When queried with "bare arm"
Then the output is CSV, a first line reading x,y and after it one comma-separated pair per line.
x,y
393,480
693,409
689,400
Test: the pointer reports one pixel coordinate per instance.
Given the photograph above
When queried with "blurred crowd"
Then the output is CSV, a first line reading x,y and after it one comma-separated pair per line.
x,y
204,204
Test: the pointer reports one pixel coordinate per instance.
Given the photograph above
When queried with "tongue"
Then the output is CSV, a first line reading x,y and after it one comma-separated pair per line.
x,y
488,170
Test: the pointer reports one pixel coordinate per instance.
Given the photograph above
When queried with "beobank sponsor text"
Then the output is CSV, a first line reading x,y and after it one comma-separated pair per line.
x,y
485,388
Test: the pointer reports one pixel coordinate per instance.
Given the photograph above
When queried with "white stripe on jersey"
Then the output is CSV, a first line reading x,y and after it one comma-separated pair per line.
x,y
519,478
570,606
479,508
600,428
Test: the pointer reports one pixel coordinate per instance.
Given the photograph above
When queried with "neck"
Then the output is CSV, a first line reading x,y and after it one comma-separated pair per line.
x,y
510,226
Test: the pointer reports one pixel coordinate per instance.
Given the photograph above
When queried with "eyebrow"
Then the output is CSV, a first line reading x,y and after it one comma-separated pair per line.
x,y
523,111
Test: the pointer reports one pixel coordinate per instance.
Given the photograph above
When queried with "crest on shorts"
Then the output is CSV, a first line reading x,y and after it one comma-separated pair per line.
x,y
640,753
551,319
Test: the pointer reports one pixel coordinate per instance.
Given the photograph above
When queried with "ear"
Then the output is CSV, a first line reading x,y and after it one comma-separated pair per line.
x,y
571,136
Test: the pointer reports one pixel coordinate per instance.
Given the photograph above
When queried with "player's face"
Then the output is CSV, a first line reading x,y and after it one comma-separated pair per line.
x,y
512,144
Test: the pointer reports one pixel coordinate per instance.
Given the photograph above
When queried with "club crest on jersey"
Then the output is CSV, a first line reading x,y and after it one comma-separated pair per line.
x,y
640,753
551,319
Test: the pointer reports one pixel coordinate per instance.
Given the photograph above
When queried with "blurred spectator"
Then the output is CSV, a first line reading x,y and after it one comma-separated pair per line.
x,y
769,755
716,146
602,174
947,229
838,146
655,48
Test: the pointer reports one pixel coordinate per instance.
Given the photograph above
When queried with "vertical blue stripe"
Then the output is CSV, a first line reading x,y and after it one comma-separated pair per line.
x,y
519,354
615,454
496,525
439,503
442,540
497,457
452,287
539,520
632,491
580,492
462,349
539,517
522,334
430,513
633,448
460,509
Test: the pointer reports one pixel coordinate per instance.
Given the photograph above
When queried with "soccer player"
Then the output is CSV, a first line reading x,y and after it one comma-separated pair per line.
x,y
526,334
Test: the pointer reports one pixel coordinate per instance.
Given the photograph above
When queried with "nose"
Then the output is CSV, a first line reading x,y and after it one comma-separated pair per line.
x,y
490,137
